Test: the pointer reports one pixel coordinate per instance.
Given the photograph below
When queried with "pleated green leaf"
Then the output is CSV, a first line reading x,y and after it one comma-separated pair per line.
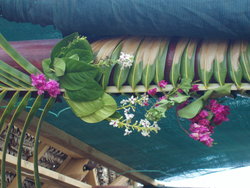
x,y
129,46
188,60
15,73
20,60
47,107
150,56
109,52
161,61
105,79
8,109
46,63
176,64
135,74
245,60
16,114
206,58
220,63
37,103
235,70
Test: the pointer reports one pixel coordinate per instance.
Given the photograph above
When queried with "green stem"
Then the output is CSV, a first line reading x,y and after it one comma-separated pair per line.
x,y
36,172
30,116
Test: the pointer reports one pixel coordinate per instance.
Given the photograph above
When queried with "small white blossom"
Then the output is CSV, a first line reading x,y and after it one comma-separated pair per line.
x,y
145,133
129,116
126,60
114,123
145,123
124,102
127,132
132,99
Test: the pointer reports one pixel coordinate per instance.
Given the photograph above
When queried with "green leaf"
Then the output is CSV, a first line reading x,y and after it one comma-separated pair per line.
x,y
176,64
188,60
180,98
17,112
82,109
83,55
37,103
205,61
20,60
195,107
109,108
107,73
222,91
47,107
15,73
245,60
57,50
46,63
192,109
220,63
91,91
161,61
186,85
59,66
8,109
13,80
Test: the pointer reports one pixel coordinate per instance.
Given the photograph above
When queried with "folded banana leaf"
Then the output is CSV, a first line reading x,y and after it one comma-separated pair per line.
x,y
150,56
245,60
161,61
234,66
135,73
220,63
206,59
129,46
176,63
188,60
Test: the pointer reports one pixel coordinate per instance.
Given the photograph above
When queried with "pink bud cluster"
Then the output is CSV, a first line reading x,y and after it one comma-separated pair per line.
x,y
202,127
39,81
161,84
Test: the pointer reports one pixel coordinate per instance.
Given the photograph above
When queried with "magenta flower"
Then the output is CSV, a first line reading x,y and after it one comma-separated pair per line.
x,y
162,84
203,114
52,87
180,90
152,91
39,82
195,88
162,98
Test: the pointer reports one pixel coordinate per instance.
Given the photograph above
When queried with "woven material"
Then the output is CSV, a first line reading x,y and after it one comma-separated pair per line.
x,y
188,18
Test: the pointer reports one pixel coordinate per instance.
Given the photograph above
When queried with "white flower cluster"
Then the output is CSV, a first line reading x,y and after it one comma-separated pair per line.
x,y
146,124
126,60
142,101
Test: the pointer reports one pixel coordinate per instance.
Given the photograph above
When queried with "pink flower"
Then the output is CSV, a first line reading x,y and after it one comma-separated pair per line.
x,y
152,91
204,122
195,88
162,98
206,139
162,84
145,104
203,114
195,136
180,90
52,87
39,82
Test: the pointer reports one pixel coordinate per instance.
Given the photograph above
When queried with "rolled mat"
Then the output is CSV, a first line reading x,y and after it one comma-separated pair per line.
x,y
100,18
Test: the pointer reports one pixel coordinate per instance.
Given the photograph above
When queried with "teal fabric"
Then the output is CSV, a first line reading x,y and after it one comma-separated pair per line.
x,y
98,18
13,31
170,152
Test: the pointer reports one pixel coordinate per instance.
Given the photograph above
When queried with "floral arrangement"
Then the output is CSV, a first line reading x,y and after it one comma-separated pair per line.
x,y
73,72
71,65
